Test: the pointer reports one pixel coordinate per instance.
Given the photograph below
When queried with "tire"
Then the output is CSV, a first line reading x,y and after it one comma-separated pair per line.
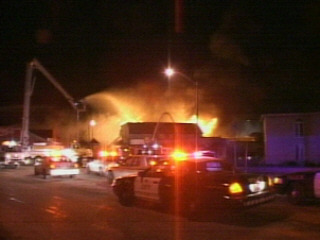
x,y
101,172
44,174
125,195
88,170
37,159
110,177
191,209
296,194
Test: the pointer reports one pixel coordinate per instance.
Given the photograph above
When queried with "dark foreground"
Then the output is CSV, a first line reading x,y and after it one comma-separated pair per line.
x,y
85,208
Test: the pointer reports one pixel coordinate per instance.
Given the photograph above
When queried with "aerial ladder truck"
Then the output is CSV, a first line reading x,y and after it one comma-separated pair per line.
x,y
26,152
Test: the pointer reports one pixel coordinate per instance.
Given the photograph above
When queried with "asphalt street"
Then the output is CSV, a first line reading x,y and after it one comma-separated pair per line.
x,y
84,207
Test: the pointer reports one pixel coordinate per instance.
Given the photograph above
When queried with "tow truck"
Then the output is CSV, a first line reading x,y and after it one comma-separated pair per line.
x,y
28,153
299,187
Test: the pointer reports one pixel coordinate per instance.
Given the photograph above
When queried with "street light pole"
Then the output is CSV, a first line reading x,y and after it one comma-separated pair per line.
x,y
92,123
169,72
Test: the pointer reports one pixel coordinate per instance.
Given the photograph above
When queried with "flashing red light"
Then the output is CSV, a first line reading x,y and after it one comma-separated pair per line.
x,y
108,154
179,155
103,153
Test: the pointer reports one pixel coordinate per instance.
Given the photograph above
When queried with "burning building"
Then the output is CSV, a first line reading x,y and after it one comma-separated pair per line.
x,y
158,137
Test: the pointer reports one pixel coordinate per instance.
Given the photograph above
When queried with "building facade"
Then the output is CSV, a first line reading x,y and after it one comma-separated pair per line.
x,y
292,139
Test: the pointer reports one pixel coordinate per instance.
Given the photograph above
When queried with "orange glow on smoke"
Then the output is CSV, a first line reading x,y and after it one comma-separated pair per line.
x,y
118,108
129,112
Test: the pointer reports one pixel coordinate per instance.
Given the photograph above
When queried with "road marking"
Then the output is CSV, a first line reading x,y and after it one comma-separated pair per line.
x,y
16,200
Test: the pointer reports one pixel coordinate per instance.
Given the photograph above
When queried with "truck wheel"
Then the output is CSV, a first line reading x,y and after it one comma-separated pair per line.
x,y
296,194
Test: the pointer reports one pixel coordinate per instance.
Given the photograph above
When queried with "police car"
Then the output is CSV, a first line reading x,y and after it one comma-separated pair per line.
x,y
132,165
194,184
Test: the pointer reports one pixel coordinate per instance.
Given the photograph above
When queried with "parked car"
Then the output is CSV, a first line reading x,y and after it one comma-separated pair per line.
x,y
56,166
197,183
12,159
101,166
299,187
132,165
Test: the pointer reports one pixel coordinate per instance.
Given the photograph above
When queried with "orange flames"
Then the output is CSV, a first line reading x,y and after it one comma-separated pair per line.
x,y
207,126
118,108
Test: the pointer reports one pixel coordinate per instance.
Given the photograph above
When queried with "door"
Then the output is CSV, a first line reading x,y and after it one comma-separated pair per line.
x,y
147,188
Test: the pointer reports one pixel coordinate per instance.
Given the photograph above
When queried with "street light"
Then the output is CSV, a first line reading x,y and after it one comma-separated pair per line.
x,y
92,123
169,72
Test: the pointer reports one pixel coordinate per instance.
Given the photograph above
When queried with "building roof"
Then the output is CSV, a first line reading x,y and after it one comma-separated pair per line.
x,y
272,115
163,128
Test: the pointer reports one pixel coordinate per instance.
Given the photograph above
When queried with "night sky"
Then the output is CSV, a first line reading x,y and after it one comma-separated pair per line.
x,y
250,57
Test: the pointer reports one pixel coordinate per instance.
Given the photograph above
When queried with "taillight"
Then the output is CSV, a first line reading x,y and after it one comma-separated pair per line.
x,y
76,165
270,181
52,165
235,188
277,180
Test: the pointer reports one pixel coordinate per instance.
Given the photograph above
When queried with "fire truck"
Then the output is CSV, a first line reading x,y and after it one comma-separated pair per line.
x,y
25,153
14,157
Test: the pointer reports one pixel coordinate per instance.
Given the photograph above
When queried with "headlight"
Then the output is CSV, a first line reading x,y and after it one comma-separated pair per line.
x,y
258,186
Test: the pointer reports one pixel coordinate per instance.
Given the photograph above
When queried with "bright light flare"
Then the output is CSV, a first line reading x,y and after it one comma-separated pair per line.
x,y
108,153
169,72
197,154
92,123
55,153
11,143
179,155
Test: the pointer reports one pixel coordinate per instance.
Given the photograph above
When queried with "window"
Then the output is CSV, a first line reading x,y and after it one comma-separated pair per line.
x,y
299,128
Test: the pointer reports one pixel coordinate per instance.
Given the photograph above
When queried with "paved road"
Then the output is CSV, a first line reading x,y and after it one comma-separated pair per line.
x,y
85,208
